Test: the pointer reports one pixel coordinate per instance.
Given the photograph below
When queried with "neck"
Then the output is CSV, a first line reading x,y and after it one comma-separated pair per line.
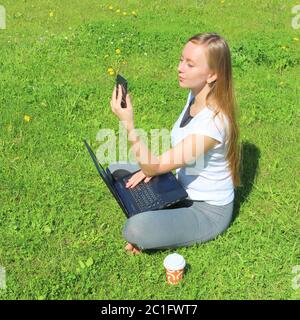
x,y
200,96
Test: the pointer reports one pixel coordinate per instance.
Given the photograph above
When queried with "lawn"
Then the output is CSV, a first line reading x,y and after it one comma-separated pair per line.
x,y
61,230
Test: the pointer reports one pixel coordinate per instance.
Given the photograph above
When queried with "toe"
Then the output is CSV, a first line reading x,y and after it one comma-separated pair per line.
x,y
136,251
129,246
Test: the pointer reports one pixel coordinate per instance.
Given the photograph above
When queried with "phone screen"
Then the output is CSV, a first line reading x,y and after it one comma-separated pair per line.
x,y
123,82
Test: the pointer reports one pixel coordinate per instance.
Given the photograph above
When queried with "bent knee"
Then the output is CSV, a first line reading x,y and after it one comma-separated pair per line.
x,y
136,230
131,231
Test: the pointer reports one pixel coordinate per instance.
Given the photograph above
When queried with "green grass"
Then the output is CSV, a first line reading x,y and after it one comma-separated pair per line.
x,y
61,231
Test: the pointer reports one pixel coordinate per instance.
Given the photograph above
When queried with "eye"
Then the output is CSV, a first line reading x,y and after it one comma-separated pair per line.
x,y
181,59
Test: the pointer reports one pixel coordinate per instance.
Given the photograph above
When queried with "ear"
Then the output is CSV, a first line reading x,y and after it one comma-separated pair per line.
x,y
211,78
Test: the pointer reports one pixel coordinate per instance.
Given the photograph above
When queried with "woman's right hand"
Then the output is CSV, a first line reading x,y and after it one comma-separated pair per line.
x,y
136,179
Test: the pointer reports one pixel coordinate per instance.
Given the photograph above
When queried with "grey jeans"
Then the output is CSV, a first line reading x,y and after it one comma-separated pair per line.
x,y
182,224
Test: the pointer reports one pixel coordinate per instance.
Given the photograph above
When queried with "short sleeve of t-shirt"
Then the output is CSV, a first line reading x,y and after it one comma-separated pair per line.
x,y
208,125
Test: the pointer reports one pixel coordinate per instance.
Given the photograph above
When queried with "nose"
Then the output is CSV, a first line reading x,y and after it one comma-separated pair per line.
x,y
180,68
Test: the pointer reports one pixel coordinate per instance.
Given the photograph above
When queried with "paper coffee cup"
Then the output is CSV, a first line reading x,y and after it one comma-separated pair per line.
x,y
174,264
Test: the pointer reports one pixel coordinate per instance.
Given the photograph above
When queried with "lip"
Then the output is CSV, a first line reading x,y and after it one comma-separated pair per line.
x,y
181,79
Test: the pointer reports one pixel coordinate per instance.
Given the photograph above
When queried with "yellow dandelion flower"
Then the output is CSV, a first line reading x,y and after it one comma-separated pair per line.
x,y
118,10
296,39
27,118
133,13
110,7
118,51
51,14
111,71
124,13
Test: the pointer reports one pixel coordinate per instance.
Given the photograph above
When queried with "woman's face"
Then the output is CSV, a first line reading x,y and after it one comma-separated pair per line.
x,y
193,68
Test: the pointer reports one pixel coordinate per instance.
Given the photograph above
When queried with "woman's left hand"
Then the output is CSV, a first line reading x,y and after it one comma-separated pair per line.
x,y
124,114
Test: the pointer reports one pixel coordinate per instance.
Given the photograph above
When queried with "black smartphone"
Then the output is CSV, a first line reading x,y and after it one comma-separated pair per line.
x,y
123,82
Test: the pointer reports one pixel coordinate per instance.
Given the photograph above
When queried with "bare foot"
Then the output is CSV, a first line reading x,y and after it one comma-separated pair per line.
x,y
132,248
128,246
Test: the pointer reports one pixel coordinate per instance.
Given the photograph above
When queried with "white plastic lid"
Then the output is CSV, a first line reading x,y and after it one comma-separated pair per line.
x,y
174,262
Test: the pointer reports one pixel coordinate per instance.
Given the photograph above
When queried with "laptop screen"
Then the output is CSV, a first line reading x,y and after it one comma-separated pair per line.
x,y
104,176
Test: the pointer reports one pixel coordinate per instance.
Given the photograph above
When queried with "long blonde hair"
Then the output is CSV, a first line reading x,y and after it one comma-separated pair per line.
x,y
222,93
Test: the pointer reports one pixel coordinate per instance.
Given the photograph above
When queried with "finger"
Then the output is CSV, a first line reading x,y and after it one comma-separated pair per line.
x,y
129,183
137,175
148,179
133,183
133,179
113,96
119,94
136,181
128,101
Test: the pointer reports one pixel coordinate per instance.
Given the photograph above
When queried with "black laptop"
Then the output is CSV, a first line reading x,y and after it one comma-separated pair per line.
x,y
160,192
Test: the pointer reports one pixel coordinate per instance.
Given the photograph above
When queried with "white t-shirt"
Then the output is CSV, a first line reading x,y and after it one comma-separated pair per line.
x,y
208,178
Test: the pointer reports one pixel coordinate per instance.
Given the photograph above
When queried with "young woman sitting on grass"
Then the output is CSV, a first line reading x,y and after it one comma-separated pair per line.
x,y
206,129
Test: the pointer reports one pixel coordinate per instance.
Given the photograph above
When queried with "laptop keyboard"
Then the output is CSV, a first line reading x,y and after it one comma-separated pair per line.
x,y
144,196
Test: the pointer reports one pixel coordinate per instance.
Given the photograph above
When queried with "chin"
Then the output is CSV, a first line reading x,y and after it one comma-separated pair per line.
x,y
182,85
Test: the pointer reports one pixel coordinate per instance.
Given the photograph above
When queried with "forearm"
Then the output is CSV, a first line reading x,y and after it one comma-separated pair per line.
x,y
147,161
